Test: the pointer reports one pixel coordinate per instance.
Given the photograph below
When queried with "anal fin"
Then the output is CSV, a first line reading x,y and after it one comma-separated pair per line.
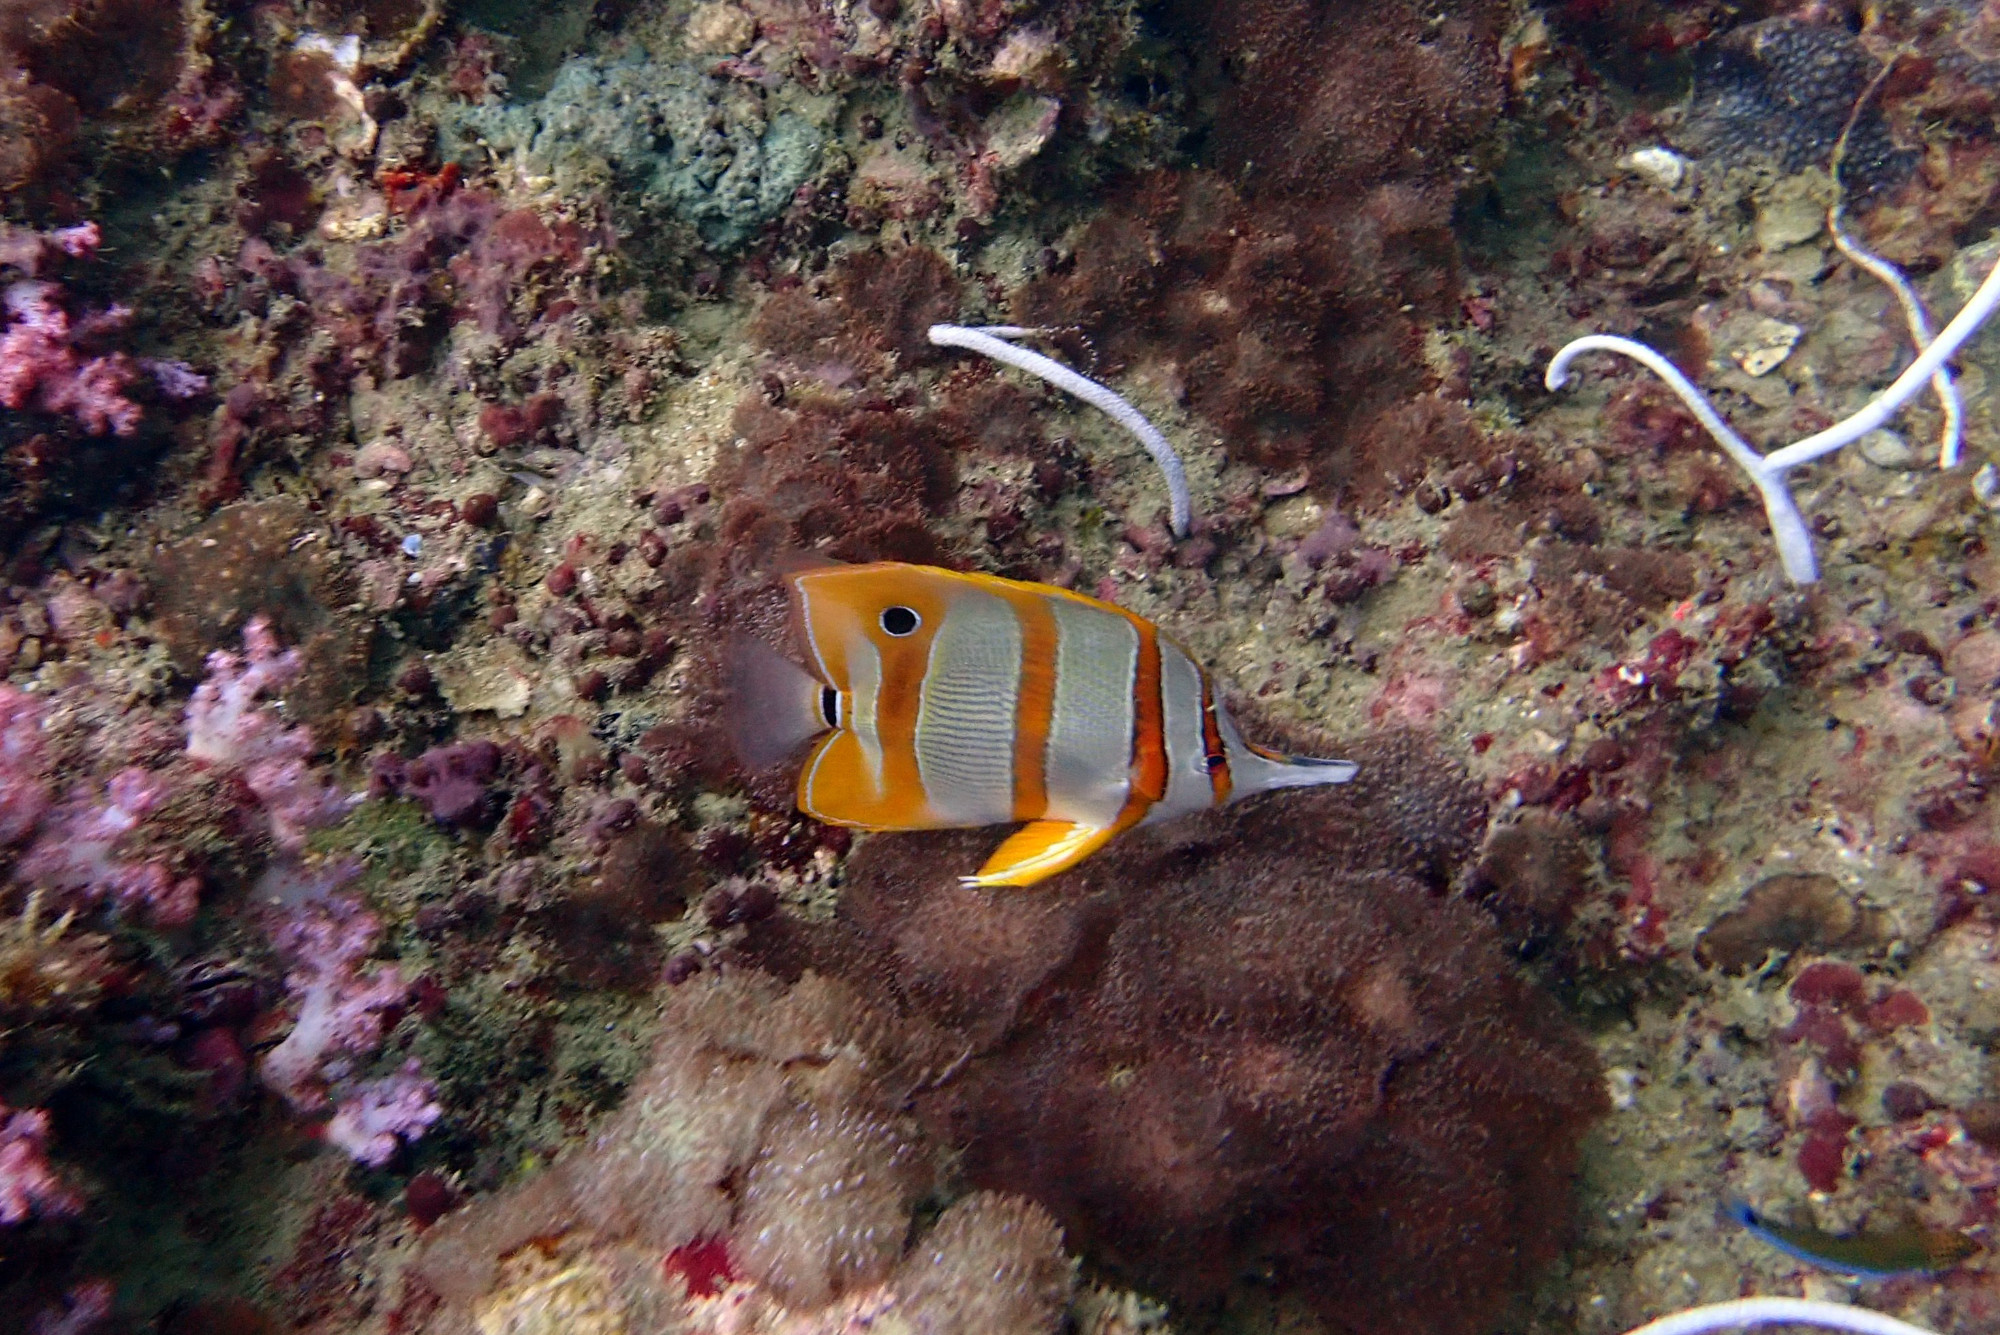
x,y
1038,850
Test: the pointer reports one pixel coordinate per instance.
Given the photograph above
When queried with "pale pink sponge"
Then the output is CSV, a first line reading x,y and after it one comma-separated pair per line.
x,y
340,1006
54,360
376,1115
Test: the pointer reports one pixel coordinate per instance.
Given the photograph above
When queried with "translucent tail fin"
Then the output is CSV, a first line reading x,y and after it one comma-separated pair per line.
x,y
1262,771
1257,769
775,706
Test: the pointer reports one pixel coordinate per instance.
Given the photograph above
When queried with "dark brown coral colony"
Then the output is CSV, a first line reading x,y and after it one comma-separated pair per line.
x,y
1265,1046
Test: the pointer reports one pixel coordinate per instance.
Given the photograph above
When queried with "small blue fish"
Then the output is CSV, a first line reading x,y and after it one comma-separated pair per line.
x,y
1911,1250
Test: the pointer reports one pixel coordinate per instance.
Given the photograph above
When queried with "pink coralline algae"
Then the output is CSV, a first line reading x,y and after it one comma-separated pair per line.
x,y
34,252
453,781
84,1308
342,1015
24,795
28,1185
227,727
371,1118
55,361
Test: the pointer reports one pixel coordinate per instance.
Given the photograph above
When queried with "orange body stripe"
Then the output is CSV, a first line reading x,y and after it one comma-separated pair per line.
x,y
837,772
896,707
1035,706
1149,743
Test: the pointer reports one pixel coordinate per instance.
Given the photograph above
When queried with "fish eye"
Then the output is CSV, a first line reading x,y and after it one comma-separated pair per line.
x,y
829,706
900,621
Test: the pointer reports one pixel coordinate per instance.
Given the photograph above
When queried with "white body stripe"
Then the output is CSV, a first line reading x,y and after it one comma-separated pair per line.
x,y
1189,787
966,717
864,667
1088,762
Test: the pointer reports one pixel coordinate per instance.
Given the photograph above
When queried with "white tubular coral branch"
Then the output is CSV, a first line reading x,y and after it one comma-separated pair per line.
x,y
992,341
1788,527
1770,1311
1919,322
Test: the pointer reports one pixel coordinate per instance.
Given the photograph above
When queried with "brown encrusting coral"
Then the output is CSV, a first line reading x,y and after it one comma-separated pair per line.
x,y
110,83
1293,326
1274,1042
1409,92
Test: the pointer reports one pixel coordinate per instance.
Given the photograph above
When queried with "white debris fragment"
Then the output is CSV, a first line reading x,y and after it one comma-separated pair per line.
x,y
1662,166
1768,344
1887,449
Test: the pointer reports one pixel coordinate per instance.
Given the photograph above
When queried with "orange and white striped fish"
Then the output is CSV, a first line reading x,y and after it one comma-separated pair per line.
x,y
947,700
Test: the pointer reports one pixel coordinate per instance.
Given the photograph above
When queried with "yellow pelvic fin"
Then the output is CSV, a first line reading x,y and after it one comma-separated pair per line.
x,y
1038,851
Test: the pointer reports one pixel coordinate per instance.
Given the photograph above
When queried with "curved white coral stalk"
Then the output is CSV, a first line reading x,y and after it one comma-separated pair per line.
x,y
1788,527
992,341
1745,1312
1919,322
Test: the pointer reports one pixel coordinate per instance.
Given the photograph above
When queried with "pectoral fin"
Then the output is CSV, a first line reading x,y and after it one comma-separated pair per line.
x,y
1038,851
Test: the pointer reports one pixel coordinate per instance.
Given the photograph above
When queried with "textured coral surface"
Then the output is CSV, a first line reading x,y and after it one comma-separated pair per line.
x,y
1276,1044
404,404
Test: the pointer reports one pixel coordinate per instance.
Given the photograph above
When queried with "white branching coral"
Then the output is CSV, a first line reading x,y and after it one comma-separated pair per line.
x,y
1750,1312
1767,471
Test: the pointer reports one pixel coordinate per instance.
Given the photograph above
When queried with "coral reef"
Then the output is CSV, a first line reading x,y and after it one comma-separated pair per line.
x,y
1294,329
28,1185
106,83
704,146
228,728
1782,91
51,360
1410,97
389,941
339,1007
66,377
763,1155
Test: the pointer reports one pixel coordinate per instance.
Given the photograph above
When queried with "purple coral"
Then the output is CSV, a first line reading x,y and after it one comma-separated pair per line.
x,y
24,795
28,1185
74,851
227,727
74,842
340,1007
34,252
54,360
44,364
84,1308
374,1114
450,780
